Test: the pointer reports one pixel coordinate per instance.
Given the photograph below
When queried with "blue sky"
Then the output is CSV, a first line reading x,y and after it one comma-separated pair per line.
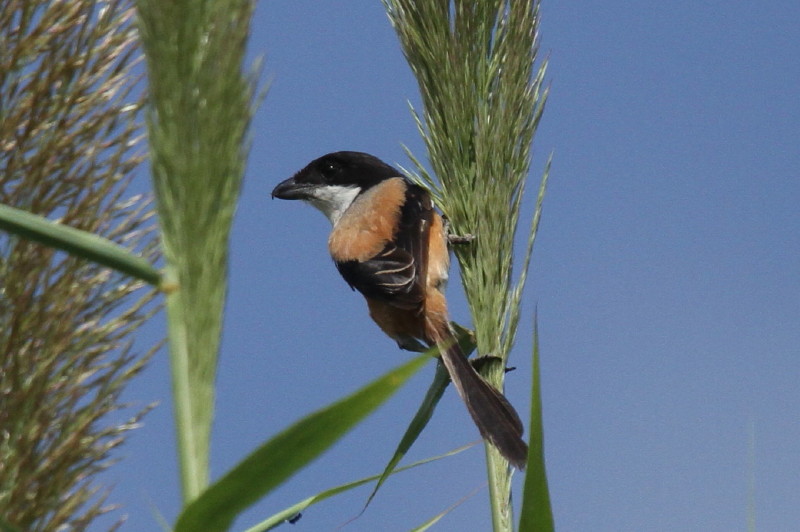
x,y
666,277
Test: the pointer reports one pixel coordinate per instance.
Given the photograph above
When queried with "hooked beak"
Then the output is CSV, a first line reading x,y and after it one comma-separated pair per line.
x,y
292,190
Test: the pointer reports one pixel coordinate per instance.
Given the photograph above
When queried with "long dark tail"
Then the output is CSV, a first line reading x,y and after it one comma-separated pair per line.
x,y
496,419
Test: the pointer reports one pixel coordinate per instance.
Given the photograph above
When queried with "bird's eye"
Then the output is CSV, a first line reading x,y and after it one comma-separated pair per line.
x,y
329,169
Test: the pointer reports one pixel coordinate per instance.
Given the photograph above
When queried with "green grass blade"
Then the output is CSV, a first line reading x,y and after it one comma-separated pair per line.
x,y
285,454
438,517
536,514
420,420
425,411
432,521
287,513
77,242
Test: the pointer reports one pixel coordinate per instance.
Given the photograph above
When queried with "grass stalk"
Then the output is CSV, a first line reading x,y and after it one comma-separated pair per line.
x,y
70,131
482,101
199,113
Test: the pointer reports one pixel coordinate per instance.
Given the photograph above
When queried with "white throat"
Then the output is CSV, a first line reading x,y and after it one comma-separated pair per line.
x,y
333,200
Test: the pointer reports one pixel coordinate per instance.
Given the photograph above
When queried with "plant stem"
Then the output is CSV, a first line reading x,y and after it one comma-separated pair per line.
x,y
193,459
498,473
499,476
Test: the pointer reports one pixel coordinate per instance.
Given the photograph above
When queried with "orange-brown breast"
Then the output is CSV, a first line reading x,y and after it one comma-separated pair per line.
x,y
370,222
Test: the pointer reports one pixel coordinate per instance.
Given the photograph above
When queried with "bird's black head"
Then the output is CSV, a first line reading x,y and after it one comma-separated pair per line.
x,y
341,169
333,181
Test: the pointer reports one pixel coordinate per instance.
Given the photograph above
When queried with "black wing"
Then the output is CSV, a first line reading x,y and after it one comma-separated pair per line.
x,y
397,273
390,276
415,226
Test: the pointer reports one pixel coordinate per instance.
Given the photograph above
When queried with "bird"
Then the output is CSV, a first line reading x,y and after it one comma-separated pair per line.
x,y
390,244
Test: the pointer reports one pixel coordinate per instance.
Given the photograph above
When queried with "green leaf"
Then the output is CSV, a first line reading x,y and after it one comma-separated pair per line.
x,y
436,518
440,381
287,513
432,521
288,452
77,242
536,514
425,411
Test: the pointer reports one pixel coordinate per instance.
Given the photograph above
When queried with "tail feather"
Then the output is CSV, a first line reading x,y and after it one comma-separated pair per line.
x,y
494,416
